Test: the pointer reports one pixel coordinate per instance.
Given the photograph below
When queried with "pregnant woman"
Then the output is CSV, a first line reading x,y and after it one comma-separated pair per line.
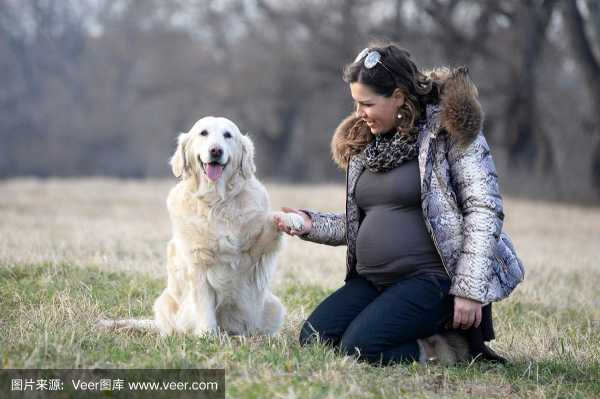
x,y
426,254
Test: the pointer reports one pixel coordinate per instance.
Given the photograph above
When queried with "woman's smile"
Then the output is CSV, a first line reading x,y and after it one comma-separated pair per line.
x,y
379,112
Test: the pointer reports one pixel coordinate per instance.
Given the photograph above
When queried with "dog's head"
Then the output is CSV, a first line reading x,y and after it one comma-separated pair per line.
x,y
213,151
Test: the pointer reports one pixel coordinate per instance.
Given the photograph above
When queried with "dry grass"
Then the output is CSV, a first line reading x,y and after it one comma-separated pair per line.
x,y
117,225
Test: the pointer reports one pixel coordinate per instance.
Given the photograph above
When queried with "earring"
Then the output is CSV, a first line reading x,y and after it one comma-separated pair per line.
x,y
399,116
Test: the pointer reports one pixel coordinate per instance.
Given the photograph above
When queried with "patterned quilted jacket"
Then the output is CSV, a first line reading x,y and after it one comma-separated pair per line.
x,y
460,198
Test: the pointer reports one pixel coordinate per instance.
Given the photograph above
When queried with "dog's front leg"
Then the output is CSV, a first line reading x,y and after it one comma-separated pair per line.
x,y
198,310
207,322
269,239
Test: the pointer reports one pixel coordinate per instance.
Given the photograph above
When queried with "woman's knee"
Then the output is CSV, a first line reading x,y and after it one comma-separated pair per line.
x,y
307,333
358,344
312,332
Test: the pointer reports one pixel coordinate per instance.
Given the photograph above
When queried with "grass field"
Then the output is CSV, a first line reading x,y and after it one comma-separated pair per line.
x,y
73,251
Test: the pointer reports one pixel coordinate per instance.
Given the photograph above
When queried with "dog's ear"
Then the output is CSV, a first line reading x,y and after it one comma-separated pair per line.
x,y
179,164
248,167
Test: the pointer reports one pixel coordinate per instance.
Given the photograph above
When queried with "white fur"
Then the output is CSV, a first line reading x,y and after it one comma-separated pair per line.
x,y
222,254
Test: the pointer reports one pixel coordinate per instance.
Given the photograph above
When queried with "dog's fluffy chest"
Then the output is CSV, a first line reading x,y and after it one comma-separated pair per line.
x,y
214,234
214,241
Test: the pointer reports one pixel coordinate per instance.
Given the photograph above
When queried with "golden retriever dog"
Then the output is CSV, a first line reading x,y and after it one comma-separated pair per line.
x,y
222,254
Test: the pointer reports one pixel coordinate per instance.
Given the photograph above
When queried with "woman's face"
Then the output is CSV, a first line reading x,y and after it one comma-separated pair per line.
x,y
378,111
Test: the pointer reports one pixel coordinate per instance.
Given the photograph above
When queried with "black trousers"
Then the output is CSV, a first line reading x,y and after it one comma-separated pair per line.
x,y
381,327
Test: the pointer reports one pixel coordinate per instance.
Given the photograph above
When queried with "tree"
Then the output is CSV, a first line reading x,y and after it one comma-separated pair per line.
x,y
587,59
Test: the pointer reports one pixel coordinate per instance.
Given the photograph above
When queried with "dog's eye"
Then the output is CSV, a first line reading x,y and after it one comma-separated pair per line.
x,y
227,135
204,133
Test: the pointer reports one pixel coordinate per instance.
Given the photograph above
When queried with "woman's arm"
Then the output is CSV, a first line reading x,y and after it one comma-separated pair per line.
x,y
475,181
327,228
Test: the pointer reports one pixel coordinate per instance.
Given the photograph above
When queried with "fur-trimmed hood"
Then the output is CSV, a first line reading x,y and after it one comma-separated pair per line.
x,y
461,115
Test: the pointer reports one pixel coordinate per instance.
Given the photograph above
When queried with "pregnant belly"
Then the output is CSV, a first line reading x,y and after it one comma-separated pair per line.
x,y
392,235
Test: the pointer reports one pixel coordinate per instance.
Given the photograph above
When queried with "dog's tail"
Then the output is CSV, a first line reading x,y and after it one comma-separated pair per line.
x,y
127,325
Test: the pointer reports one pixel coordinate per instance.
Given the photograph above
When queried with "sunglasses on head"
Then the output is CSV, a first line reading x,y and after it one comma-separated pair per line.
x,y
371,58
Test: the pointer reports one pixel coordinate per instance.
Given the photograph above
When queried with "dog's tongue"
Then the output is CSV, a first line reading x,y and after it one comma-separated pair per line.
x,y
214,171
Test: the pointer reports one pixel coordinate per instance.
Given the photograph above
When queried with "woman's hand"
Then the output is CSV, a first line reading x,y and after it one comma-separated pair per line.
x,y
281,226
467,313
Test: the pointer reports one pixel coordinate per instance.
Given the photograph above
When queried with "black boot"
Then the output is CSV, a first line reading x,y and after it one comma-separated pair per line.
x,y
478,349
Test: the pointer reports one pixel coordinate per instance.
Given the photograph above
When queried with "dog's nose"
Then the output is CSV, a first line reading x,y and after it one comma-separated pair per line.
x,y
216,152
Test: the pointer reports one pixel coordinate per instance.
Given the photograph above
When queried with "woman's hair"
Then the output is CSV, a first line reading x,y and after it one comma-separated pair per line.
x,y
399,72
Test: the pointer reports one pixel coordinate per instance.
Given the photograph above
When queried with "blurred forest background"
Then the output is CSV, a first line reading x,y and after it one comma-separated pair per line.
x,y
102,87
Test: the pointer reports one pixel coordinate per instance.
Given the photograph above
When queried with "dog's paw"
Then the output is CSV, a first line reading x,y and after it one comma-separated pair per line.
x,y
205,331
291,220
